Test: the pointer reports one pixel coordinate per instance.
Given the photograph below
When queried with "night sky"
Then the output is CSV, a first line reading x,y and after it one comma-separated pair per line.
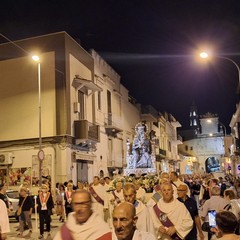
x,y
151,45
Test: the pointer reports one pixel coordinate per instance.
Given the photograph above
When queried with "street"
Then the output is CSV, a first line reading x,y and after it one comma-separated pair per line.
x,y
55,225
54,228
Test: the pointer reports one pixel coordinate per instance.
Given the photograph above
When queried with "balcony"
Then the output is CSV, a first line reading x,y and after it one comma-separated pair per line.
x,y
178,141
112,124
149,113
86,132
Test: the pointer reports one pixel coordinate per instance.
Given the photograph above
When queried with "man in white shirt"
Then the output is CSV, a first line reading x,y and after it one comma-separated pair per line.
x,y
141,193
114,198
215,202
99,197
124,222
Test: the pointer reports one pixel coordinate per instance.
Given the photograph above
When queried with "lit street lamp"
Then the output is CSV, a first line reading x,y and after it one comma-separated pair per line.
x,y
205,55
40,152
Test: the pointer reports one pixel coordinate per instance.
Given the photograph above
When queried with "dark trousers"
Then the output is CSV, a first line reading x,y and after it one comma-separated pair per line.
x,y
44,217
210,234
68,210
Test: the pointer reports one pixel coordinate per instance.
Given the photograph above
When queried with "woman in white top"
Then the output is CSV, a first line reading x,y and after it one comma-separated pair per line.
x,y
4,220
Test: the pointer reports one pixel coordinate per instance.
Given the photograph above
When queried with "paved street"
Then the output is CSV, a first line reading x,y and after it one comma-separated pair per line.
x,y
14,226
54,228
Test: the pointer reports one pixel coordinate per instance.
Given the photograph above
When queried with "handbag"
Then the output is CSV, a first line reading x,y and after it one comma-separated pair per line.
x,y
19,211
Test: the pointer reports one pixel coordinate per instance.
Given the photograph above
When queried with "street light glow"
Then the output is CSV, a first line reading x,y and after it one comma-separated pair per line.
x,y
203,55
35,58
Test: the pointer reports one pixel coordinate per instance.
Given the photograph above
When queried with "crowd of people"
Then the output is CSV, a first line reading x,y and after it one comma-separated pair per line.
x,y
178,208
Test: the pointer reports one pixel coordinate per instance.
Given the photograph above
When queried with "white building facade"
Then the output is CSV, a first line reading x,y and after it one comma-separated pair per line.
x,y
87,115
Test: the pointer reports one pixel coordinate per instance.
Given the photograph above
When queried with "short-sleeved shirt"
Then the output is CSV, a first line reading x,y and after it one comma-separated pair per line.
x,y
191,206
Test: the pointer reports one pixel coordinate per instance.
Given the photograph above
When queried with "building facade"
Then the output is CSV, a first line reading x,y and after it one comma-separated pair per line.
x,y
85,120
203,151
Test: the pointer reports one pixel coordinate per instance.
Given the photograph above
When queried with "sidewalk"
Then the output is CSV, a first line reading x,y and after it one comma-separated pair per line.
x,y
55,225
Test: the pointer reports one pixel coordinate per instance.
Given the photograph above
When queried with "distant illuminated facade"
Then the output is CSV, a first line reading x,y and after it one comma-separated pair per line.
x,y
204,141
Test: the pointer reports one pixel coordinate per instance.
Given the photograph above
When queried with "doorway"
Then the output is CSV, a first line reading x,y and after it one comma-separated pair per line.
x,y
82,171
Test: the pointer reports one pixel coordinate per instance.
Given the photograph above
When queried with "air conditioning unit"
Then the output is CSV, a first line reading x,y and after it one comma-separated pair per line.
x,y
6,158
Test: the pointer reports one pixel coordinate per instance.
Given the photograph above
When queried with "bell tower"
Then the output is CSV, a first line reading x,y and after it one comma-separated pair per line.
x,y
194,118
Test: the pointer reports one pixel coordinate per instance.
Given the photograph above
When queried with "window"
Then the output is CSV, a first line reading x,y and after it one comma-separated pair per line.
x,y
169,146
99,100
194,122
186,147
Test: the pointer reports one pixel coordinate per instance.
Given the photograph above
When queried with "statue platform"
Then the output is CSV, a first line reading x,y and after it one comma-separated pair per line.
x,y
139,171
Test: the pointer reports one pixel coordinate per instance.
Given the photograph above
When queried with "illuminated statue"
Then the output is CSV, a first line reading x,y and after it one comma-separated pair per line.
x,y
139,154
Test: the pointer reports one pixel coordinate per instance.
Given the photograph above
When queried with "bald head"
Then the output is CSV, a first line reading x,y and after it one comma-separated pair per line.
x,y
82,192
124,220
126,207
182,191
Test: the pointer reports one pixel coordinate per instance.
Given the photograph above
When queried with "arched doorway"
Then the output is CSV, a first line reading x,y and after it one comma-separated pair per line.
x,y
101,173
212,164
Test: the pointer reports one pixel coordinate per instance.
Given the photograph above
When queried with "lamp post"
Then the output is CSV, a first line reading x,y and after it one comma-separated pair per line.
x,y
40,152
205,55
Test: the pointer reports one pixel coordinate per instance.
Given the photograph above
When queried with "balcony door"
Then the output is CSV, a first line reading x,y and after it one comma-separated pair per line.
x,y
82,171
81,100
109,107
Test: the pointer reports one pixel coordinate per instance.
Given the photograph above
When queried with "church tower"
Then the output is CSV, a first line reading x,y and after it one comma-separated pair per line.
x,y
194,118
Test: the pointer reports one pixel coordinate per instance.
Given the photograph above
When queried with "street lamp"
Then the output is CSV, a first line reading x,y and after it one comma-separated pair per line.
x,y
40,152
224,129
205,55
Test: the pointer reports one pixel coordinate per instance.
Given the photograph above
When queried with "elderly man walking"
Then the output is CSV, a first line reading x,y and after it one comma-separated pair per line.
x,y
144,220
191,206
170,217
215,202
83,223
124,222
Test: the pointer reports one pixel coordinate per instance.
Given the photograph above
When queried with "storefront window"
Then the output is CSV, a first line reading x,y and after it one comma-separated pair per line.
x,y
46,168
19,175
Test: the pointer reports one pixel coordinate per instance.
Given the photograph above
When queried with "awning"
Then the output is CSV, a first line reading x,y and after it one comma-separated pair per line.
x,y
81,83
